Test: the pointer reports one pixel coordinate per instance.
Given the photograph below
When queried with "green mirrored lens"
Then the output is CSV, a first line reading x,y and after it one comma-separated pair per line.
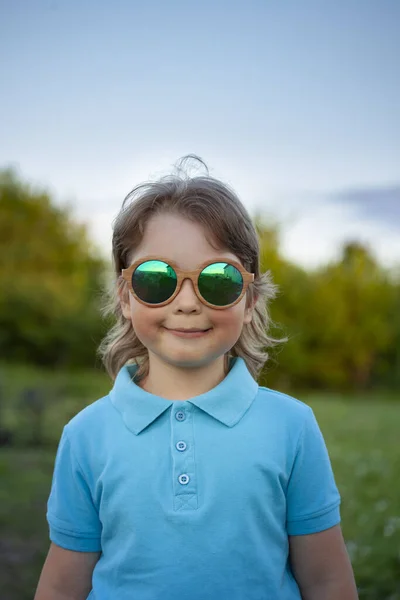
x,y
154,281
220,284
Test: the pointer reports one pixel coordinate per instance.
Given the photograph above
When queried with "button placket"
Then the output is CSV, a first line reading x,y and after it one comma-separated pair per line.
x,y
182,448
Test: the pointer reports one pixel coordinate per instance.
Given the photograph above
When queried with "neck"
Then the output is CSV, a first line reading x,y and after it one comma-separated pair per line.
x,y
174,383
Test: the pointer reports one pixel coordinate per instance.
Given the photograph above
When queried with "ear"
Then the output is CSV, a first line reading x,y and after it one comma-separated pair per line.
x,y
123,294
248,312
248,315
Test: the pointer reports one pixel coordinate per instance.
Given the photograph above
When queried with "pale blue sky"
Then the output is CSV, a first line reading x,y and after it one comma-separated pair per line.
x,y
292,102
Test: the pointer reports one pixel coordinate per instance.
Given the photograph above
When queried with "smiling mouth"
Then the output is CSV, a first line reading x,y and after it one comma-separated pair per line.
x,y
181,332
192,330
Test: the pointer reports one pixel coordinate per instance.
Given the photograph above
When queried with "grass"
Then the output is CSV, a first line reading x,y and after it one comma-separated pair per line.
x,y
361,435
362,439
25,477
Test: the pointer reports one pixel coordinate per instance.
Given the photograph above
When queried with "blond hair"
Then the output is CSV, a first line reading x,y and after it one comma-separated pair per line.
x,y
216,207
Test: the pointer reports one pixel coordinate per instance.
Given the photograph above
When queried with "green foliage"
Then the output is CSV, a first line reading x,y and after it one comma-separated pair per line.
x,y
354,301
59,394
50,280
342,320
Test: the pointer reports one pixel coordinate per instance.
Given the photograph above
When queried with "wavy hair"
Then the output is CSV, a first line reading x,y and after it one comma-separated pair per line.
x,y
216,207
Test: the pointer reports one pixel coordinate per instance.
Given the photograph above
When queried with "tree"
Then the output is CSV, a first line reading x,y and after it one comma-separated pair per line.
x,y
50,279
290,312
342,320
352,300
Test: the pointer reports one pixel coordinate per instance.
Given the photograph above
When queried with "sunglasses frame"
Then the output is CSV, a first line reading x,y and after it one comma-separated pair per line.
x,y
181,275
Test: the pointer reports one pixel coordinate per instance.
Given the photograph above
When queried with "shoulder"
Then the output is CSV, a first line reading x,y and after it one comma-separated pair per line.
x,y
283,416
88,435
90,425
92,415
283,404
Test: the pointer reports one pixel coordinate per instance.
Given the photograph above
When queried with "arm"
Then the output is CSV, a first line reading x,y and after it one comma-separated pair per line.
x,y
74,527
321,566
66,575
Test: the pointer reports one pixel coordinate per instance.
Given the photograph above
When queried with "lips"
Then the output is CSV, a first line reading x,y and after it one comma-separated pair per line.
x,y
191,330
188,332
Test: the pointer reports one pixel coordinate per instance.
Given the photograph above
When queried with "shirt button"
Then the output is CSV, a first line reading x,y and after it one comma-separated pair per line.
x,y
183,479
180,415
181,446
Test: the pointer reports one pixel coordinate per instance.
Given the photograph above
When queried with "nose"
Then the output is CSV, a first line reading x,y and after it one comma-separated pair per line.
x,y
186,301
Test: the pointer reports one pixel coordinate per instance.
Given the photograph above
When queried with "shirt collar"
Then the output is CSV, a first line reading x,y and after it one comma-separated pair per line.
x,y
227,402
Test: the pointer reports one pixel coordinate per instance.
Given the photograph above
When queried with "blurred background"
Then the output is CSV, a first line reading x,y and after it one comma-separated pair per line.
x,y
296,106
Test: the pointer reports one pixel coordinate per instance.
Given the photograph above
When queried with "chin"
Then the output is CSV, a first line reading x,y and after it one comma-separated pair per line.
x,y
187,362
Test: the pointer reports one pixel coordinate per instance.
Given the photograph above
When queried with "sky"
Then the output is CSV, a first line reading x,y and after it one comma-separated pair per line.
x,y
295,104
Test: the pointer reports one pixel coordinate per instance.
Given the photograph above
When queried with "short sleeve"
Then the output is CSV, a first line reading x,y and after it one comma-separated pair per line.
x,y
313,499
73,519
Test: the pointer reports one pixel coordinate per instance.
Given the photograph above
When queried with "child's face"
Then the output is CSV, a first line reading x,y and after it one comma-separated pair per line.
x,y
183,242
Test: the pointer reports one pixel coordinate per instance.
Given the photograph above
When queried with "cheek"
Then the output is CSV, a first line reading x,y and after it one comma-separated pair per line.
x,y
230,319
145,320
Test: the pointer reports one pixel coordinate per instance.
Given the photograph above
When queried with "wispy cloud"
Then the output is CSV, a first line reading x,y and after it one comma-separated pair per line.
x,y
318,236
378,204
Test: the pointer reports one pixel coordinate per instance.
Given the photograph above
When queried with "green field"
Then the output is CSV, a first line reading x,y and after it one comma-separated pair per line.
x,y
362,438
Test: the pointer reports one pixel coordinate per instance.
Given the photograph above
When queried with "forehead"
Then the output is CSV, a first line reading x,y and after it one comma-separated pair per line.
x,y
179,240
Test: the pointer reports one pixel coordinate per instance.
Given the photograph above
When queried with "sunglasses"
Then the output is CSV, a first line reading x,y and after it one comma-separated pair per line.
x,y
218,284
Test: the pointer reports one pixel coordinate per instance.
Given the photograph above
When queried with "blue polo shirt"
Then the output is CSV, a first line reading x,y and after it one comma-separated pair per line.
x,y
192,499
